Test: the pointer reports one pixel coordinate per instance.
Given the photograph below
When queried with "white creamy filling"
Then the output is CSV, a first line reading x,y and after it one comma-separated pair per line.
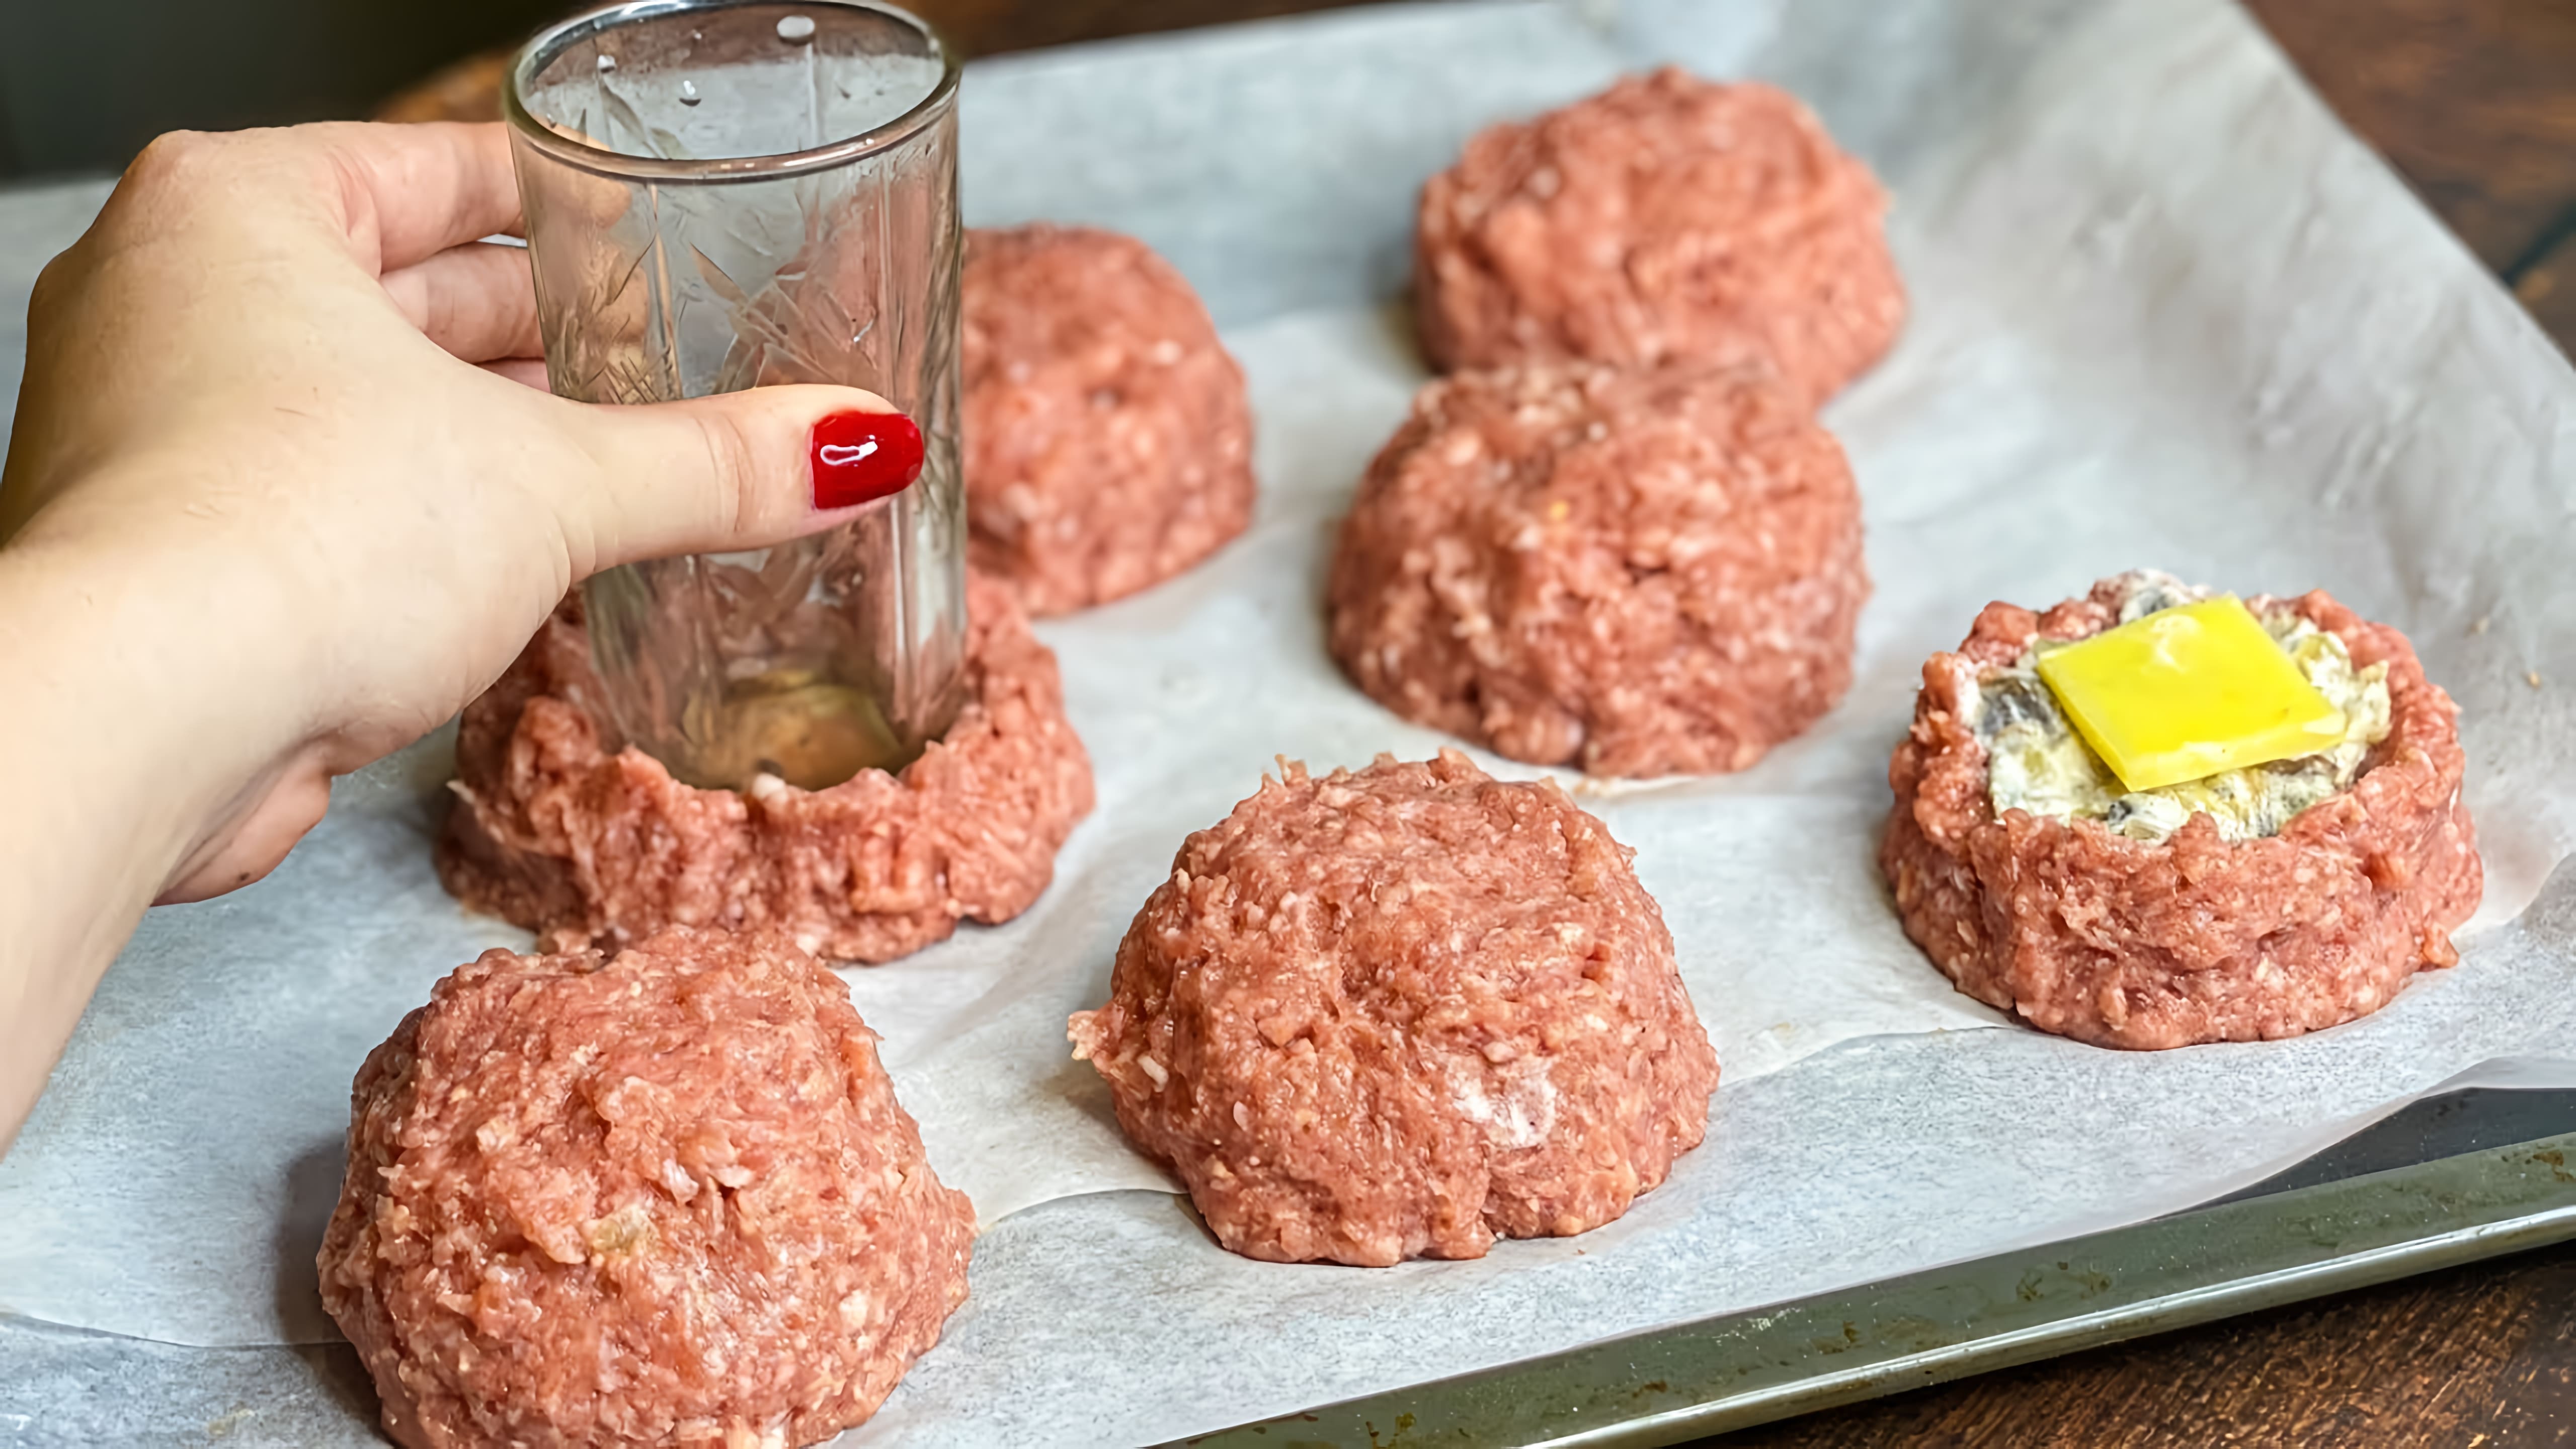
x,y
2037,762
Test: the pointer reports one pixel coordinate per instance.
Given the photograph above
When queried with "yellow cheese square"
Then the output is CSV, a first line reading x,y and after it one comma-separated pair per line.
x,y
2186,693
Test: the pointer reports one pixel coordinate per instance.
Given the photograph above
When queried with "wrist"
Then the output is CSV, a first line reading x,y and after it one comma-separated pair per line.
x,y
132,696
130,728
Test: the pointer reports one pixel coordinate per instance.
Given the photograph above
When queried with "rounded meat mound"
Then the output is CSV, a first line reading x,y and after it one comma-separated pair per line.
x,y
561,829
1666,218
663,1198
2196,938
1108,439
1401,1013
1637,573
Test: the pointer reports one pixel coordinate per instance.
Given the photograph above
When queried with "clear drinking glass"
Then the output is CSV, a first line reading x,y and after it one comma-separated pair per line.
x,y
722,195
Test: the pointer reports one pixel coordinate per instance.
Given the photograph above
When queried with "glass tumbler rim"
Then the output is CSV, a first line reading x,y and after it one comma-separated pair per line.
x,y
551,42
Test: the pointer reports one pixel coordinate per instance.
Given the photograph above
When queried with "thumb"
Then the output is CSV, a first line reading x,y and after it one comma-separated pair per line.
x,y
735,471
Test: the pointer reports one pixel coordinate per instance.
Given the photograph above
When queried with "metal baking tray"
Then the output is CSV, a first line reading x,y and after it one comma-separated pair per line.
x,y
2447,1180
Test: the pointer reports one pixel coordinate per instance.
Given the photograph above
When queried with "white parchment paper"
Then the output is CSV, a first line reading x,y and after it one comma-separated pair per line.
x,y
2166,314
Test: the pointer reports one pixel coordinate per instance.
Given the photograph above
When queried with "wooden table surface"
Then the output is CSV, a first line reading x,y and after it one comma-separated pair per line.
x,y
2474,101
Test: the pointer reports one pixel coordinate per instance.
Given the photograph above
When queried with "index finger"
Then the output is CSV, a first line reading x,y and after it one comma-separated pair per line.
x,y
409,192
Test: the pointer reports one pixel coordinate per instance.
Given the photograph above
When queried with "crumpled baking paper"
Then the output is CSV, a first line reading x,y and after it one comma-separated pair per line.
x,y
2166,313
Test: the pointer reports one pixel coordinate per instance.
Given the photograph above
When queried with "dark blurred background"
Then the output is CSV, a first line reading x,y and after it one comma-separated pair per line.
x,y
84,83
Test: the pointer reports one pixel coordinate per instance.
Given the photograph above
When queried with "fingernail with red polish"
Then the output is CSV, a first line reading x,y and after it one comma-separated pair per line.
x,y
862,457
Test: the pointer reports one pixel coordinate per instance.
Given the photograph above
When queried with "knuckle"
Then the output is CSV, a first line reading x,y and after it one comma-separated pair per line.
x,y
176,161
54,285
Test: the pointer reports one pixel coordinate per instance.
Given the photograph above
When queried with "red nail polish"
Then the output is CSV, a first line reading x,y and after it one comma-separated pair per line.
x,y
861,457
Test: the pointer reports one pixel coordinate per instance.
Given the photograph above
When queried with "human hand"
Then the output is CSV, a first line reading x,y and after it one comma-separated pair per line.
x,y
250,382
274,507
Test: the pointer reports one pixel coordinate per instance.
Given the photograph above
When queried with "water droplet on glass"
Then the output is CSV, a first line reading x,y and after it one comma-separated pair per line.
x,y
796,29
689,93
607,63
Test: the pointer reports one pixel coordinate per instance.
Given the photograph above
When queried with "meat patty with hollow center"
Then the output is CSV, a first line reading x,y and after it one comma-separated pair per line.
x,y
2296,898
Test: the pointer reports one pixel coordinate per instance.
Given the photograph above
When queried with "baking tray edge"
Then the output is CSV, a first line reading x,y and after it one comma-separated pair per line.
x,y
1739,1369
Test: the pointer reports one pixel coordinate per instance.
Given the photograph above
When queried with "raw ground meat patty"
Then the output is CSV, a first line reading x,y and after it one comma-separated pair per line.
x,y
1637,573
2196,938
558,831
1108,440
1665,218
1401,1013
664,1198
